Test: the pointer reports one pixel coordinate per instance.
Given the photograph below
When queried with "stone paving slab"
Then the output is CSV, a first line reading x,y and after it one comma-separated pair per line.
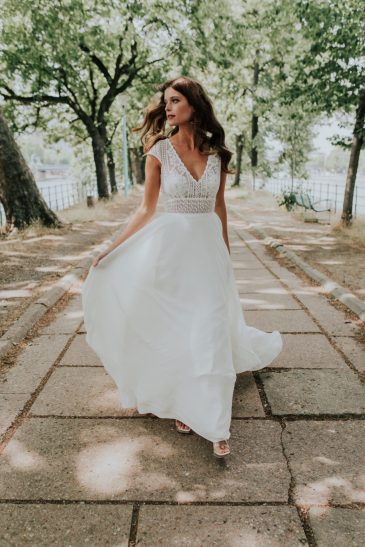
x,y
82,391
45,525
262,286
326,461
284,274
333,321
244,256
246,264
295,353
80,353
82,329
11,404
338,527
256,301
66,321
222,526
144,459
314,392
281,320
32,364
238,248
353,350
258,274
246,398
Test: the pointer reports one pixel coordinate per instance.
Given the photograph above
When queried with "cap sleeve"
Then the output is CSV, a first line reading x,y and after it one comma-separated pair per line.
x,y
155,151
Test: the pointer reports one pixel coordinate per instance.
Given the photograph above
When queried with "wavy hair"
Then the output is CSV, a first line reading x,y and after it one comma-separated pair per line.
x,y
209,135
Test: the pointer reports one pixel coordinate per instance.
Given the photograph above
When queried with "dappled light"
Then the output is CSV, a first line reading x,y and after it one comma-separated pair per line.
x,y
114,467
50,269
331,262
20,293
21,459
327,461
50,237
67,258
323,491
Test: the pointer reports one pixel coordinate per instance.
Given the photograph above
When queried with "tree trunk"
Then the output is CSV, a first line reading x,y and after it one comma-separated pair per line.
x,y
239,151
357,142
137,164
19,194
98,144
254,124
254,132
111,169
130,171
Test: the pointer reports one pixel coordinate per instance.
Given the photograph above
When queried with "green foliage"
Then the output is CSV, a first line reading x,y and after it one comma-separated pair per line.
x,y
79,54
288,199
67,62
330,67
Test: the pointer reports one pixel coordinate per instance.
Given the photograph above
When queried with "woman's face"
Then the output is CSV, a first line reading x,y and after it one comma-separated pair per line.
x,y
178,110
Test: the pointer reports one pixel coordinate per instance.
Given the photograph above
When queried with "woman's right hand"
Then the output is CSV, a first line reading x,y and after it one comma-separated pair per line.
x,y
98,258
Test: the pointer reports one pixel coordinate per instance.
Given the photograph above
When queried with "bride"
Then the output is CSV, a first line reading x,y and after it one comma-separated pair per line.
x,y
161,306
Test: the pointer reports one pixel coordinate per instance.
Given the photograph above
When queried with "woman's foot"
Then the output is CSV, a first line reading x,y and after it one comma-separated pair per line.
x,y
181,427
221,449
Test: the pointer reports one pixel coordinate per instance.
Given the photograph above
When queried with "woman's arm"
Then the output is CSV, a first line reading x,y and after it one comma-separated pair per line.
x,y
145,210
220,208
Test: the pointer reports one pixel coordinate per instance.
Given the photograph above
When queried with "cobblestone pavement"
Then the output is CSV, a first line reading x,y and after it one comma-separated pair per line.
x,y
77,470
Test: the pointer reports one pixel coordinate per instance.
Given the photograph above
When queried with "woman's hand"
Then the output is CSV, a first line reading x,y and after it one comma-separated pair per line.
x,y
98,258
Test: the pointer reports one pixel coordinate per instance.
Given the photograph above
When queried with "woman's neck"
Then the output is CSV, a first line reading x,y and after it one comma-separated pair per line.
x,y
185,137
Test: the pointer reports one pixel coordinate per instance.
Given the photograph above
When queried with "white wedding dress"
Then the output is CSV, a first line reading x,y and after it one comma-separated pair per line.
x,y
163,313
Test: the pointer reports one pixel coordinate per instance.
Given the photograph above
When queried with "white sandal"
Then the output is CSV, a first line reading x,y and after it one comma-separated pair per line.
x,y
185,429
217,449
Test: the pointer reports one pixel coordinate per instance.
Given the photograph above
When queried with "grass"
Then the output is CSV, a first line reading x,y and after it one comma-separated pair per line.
x,y
354,233
82,213
76,214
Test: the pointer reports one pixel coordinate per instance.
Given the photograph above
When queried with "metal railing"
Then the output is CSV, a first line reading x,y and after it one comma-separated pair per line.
x,y
323,187
60,195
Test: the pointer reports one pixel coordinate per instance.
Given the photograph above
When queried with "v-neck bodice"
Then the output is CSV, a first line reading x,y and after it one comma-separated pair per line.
x,y
185,167
181,191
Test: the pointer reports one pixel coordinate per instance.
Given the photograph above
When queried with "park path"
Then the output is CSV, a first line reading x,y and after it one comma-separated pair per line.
x,y
76,470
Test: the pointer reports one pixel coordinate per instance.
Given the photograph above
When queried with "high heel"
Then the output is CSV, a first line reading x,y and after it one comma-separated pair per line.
x,y
185,429
221,451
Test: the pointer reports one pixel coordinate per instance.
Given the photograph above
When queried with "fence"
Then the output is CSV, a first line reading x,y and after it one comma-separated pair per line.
x,y
322,187
59,195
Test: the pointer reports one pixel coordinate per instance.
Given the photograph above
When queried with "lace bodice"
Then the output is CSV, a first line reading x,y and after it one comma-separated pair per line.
x,y
181,192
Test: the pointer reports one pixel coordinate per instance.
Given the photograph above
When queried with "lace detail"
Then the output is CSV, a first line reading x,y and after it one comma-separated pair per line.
x,y
189,205
181,192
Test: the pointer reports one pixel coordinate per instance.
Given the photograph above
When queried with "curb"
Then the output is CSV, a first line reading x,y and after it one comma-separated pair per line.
x,y
340,293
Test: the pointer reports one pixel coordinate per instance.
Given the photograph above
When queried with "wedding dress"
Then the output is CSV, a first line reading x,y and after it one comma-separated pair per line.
x,y
163,313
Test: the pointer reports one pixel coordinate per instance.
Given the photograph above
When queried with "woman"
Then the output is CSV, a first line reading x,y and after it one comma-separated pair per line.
x,y
161,305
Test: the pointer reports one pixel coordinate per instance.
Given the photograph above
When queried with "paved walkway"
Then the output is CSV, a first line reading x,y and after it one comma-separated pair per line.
x,y
76,470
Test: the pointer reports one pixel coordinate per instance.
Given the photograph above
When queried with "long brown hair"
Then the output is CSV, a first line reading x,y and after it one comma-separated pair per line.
x,y
209,135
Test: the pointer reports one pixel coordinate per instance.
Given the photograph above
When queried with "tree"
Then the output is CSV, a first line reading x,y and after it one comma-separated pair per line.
x,y
19,194
79,57
292,127
253,52
330,73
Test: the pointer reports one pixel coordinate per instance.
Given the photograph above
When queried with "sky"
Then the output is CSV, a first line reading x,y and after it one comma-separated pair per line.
x,y
326,130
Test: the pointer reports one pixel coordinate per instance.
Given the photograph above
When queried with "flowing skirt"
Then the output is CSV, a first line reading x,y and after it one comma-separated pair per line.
x,y
163,314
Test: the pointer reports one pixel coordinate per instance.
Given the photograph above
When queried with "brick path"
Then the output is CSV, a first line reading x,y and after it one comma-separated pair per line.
x,y
76,470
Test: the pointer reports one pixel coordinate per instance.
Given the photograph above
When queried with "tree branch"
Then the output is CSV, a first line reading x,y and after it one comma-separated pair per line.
x,y
97,62
95,92
42,98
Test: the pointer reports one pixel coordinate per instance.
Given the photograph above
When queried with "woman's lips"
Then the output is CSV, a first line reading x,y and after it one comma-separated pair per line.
x,y
171,115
